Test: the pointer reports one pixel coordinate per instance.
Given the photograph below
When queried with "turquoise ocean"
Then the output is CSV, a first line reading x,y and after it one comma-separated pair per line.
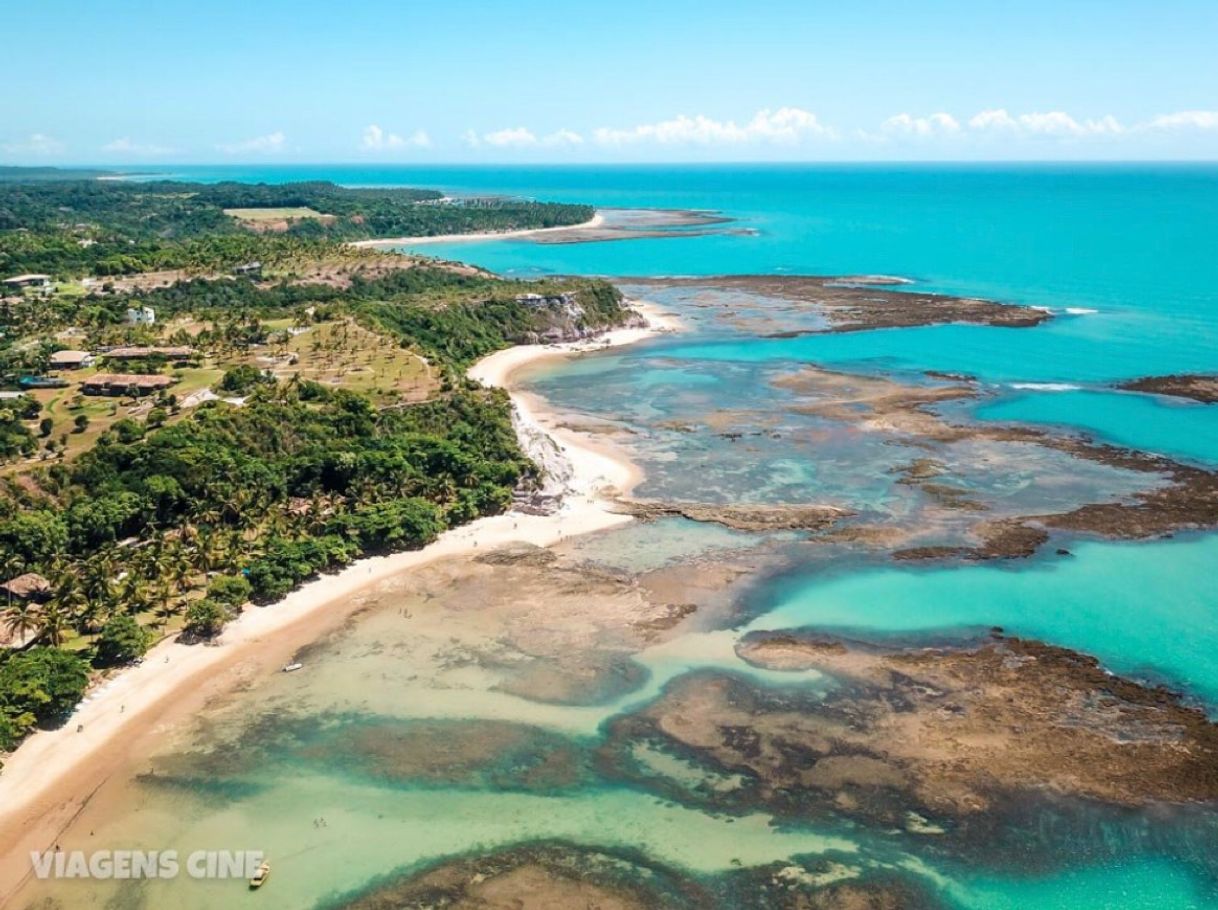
x,y
1124,256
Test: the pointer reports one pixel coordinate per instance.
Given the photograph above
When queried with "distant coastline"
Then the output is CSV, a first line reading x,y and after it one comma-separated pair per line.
x,y
388,242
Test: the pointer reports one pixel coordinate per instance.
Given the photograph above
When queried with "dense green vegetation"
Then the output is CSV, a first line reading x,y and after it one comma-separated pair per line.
x,y
451,317
172,518
70,227
300,480
38,686
16,434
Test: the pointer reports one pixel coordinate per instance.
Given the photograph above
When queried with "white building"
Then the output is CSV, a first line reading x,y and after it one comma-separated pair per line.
x,y
41,283
71,360
144,315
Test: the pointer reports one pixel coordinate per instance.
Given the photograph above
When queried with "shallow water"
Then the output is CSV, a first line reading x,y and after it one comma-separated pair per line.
x,y
1142,884
1125,603
1181,429
354,739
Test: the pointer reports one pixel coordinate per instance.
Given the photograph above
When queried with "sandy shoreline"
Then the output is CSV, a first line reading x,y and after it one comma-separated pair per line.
x,y
594,222
53,774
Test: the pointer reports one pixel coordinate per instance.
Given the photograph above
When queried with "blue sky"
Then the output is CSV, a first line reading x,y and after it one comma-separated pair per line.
x,y
667,80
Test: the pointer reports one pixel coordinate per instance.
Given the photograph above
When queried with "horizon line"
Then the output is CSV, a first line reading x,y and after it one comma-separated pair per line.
x,y
619,164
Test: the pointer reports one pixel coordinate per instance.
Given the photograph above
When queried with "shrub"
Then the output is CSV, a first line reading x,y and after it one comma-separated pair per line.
x,y
233,590
37,686
241,379
205,618
122,640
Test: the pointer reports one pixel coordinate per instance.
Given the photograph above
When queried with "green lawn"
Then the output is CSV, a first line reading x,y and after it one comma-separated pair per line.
x,y
270,214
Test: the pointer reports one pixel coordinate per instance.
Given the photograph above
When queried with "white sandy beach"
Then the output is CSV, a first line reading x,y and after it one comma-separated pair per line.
x,y
52,773
594,222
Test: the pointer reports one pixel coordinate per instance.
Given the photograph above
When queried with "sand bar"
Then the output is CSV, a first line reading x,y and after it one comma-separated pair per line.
x,y
594,222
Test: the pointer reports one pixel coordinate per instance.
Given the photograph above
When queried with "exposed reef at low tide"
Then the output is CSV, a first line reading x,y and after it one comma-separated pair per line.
x,y
1202,387
743,517
850,305
929,740
559,876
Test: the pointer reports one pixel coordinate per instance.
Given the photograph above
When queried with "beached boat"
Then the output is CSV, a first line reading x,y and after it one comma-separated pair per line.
x,y
260,876
292,667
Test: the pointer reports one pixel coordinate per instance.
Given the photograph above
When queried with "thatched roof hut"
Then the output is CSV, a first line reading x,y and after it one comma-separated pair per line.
x,y
30,586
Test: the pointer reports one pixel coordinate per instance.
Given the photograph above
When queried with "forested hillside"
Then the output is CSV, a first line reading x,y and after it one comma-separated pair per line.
x,y
157,476
71,227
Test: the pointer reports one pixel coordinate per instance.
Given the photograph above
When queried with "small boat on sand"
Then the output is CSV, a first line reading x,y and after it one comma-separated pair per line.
x,y
292,668
260,876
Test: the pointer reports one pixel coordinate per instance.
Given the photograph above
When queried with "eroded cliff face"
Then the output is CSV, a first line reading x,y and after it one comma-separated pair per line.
x,y
541,495
566,317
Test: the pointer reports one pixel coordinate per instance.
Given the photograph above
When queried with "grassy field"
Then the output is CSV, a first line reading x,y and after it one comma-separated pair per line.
x,y
63,406
283,214
341,353
345,353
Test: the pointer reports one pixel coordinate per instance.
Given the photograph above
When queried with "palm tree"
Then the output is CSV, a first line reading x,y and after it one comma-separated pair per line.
x,y
97,582
21,619
207,547
133,592
180,568
53,620
69,603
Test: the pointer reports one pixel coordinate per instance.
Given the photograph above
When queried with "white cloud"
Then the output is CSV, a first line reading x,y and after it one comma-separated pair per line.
x,y
797,128
376,139
1051,123
270,144
1184,120
935,125
522,137
125,146
997,119
36,144
563,137
786,125
518,137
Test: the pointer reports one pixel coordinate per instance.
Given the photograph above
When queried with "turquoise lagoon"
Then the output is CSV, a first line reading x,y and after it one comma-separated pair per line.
x,y
1129,604
1121,254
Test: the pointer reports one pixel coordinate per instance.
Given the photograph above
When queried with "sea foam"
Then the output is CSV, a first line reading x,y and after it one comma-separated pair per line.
x,y
851,280
1045,386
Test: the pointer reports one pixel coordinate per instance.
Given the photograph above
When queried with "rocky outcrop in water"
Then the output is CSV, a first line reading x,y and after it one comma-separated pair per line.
x,y
1201,387
546,877
849,305
745,517
1175,497
946,732
561,876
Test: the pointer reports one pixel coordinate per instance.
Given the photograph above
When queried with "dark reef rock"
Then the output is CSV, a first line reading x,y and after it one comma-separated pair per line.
x,y
852,307
946,741
546,876
1177,497
1201,387
742,517
554,875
